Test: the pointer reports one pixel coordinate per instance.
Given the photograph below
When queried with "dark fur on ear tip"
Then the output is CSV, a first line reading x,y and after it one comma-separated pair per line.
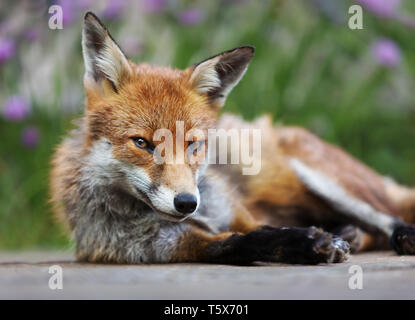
x,y
91,15
249,48
94,32
247,51
91,18
91,30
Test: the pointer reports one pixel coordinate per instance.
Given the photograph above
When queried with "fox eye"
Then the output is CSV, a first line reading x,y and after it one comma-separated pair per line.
x,y
195,146
142,143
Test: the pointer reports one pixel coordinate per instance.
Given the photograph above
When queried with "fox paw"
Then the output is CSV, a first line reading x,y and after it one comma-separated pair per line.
x,y
328,248
403,240
353,235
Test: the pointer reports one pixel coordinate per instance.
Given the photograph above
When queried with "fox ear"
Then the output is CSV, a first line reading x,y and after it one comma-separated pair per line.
x,y
106,66
217,75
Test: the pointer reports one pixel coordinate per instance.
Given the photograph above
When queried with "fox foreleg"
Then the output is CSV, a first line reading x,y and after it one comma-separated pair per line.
x,y
267,244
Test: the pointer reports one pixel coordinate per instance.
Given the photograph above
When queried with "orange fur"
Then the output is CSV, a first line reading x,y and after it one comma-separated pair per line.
x,y
276,196
192,245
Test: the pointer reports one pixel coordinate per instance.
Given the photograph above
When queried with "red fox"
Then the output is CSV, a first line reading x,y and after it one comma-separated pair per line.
x,y
123,207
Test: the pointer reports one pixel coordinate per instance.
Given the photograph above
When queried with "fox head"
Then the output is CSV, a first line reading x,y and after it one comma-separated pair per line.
x,y
127,104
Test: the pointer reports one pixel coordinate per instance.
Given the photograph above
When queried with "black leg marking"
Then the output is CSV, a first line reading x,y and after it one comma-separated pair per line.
x,y
403,240
287,245
352,235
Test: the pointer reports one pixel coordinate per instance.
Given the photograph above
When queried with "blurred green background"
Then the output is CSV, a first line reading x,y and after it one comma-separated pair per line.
x,y
354,88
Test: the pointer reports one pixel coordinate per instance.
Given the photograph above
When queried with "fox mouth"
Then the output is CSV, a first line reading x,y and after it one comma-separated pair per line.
x,y
174,217
165,215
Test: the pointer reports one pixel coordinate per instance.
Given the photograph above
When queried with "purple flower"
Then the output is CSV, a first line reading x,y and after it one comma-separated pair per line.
x,y
191,16
7,49
31,34
30,137
84,4
386,53
15,108
154,6
383,8
68,11
114,9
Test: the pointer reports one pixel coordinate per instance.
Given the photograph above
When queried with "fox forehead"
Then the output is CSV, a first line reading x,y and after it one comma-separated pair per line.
x,y
125,96
153,98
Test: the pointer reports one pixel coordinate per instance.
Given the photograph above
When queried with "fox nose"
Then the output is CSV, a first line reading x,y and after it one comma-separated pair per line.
x,y
185,203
